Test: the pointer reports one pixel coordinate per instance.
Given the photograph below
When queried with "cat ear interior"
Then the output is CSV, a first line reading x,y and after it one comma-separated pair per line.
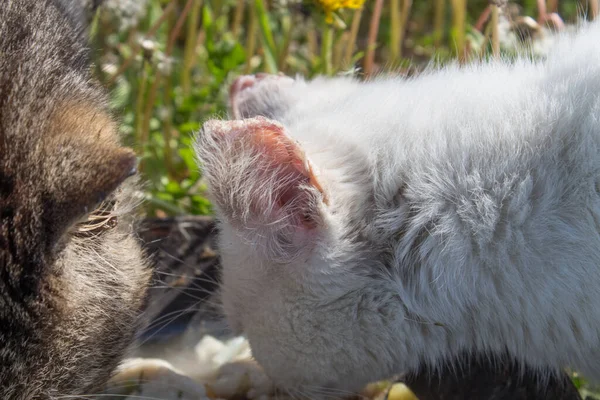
x,y
261,181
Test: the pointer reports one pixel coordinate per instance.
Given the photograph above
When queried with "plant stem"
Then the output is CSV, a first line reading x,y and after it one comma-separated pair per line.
x,y
217,7
406,6
167,129
311,44
190,47
167,89
459,11
148,108
139,106
485,15
439,22
178,25
486,30
326,50
399,18
338,48
495,32
372,42
238,17
351,44
267,37
135,50
542,11
593,9
251,39
286,24
394,30
152,92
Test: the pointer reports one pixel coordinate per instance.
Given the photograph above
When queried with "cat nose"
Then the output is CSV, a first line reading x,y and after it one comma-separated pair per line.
x,y
128,165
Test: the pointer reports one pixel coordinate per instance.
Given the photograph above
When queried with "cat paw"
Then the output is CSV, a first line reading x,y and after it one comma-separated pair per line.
x,y
258,95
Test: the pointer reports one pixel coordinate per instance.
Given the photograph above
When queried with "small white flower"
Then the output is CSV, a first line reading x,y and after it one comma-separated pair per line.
x,y
110,69
147,45
127,12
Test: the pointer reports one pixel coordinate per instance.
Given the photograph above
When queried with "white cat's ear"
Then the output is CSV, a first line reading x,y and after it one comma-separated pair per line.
x,y
259,95
262,183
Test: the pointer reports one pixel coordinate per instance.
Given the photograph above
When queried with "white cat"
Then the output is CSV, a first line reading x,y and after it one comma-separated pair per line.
x,y
370,228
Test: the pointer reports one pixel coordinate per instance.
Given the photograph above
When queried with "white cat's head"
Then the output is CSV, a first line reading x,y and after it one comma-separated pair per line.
x,y
299,273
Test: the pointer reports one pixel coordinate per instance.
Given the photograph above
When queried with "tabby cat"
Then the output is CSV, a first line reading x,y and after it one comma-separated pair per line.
x,y
72,276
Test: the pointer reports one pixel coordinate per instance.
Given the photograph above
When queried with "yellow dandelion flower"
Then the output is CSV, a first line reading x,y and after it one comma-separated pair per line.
x,y
330,6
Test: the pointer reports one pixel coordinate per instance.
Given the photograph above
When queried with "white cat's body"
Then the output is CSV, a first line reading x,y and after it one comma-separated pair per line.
x,y
457,212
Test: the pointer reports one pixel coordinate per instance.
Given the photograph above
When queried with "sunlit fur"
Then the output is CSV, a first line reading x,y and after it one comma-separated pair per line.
x,y
463,215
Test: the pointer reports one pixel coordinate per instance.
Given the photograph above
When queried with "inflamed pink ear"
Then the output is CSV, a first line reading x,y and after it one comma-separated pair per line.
x,y
258,176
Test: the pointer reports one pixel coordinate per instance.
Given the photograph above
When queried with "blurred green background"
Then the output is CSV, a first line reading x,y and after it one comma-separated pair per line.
x,y
169,62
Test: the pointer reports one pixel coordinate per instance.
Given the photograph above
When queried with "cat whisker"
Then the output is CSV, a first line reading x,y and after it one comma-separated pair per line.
x,y
183,289
199,298
333,392
126,384
186,290
155,241
177,313
106,395
158,325
175,258
195,278
293,393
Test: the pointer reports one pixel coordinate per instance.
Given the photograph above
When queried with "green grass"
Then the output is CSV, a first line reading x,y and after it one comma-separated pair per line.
x,y
169,69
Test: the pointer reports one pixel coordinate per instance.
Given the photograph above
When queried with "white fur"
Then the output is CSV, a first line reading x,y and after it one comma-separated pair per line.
x,y
463,215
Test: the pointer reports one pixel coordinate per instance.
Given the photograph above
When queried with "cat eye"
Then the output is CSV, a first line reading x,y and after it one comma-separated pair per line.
x,y
98,221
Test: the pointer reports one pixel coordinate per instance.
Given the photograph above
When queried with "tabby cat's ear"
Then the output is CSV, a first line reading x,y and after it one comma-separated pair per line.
x,y
83,179
262,183
83,164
